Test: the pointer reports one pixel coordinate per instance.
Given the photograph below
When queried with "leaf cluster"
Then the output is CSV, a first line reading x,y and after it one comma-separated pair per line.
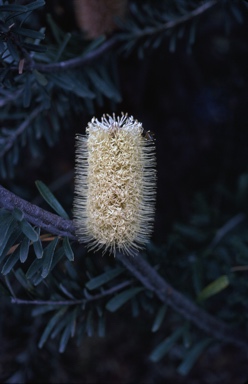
x,y
30,83
173,23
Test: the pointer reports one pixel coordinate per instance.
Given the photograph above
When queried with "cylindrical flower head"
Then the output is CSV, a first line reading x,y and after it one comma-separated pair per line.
x,y
115,185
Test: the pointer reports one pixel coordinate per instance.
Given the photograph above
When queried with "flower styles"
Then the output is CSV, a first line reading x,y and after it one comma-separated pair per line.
x,y
115,185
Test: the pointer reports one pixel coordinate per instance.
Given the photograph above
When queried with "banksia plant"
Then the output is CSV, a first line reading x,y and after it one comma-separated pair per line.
x,y
115,185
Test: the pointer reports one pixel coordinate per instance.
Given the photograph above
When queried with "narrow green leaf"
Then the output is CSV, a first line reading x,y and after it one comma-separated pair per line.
x,y
159,352
41,309
51,324
213,288
61,325
12,50
68,332
24,248
36,4
30,33
11,261
59,253
159,318
18,214
35,47
34,268
51,199
38,249
48,257
117,301
67,248
40,78
98,281
192,356
7,227
28,230
10,241
13,8
20,276
63,46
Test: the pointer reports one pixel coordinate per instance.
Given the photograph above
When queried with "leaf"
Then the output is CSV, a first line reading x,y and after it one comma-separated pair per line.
x,y
30,33
192,356
67,248
20,276
62,324
159,318
12,235
51,324
36,4
68,332
40,78
38,249
13,8
164,347
120,299
28,230
98,281
13,50
18,214
11,261
41,309
59,253
51,199
35,47
213,288
24,248
48,257
34,268
7,227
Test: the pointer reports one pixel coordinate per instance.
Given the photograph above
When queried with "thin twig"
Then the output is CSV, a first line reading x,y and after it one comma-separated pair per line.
x,y
227,227
107,292
190,15
77,61
178,21
10,140
138,267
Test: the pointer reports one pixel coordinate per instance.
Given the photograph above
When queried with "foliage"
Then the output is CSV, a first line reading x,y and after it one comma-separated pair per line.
x,y
49,77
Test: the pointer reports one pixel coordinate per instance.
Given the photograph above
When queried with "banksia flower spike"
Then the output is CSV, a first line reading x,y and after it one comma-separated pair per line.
x,y
115,185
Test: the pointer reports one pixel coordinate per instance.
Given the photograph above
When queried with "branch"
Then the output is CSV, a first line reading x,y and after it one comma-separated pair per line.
x,y
190,15
75,62
107,292
48,221
138,267
178,21
11,138
147,275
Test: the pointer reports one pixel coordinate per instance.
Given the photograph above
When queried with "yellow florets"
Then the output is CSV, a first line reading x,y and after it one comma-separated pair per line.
x,y
115,185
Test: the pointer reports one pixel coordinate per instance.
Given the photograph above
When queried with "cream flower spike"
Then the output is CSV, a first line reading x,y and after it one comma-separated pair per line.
x,y
115,185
